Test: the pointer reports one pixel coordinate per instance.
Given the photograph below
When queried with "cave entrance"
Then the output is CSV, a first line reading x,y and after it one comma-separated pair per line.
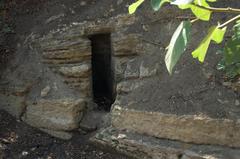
x,y
102,72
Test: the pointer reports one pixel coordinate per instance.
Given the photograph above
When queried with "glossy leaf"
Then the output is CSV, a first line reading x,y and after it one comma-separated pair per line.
x,y
177,44
201,3
181,2
157,4
201,13
133,7
215,34
219,35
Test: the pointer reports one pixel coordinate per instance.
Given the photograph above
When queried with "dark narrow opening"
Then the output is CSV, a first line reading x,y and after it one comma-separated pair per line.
x,y
102,73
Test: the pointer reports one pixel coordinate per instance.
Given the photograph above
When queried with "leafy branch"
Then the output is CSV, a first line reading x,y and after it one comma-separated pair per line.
x,y
181,37
221,10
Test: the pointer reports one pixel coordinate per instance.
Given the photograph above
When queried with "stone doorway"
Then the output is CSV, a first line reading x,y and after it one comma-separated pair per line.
x,y
102,72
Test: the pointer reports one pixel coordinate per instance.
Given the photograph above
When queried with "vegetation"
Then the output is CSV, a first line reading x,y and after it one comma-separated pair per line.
x,y
202,10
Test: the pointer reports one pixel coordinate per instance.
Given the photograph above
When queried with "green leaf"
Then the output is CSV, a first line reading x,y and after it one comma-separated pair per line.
x,y
201,13
219,35
184,6
201,3
157,4
177,44
230,62
214,34
181,2
232,51
133,7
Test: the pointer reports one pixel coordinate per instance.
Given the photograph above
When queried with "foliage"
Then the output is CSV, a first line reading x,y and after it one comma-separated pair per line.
x,y
178,44
202,11
231,54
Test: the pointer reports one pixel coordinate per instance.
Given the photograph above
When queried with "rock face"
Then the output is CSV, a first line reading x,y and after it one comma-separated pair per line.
x,y
127,45
12,98
63,73
58,115
146,147
49,82
187,128
59,134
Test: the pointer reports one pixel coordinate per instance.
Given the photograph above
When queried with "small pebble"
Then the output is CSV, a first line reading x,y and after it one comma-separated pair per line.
x,y
83,3
237,102
25,153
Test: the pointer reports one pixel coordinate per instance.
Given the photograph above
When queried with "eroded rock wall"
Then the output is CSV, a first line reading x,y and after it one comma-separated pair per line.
x,y
49,82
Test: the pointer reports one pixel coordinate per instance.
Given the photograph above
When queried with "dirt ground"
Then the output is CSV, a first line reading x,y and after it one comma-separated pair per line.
x,y
19,141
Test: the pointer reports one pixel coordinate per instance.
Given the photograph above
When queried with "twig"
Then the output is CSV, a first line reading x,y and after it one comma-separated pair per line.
x,y
194,20
229,21
221,10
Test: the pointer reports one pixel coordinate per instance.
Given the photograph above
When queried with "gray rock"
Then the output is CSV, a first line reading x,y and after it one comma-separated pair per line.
x,y
58,134
237,102
146,147
188,128
15,105
92,120
126,45
45,91
1,153
128,86
81,70
58,115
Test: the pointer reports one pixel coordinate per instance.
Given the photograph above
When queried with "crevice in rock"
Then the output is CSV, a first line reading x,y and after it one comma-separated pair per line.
x,y
102,71
180,156
24,110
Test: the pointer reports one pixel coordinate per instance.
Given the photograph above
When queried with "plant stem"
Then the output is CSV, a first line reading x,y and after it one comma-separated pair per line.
x,y
194,20
229,21
221,10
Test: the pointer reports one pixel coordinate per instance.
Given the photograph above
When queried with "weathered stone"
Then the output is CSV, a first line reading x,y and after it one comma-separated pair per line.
x,y
68,53
58,134
140,68
84,85
45,91
147,71
15,105
128,86
61,44
123,20
56,62
187,128
126,45
81,70
83,3
132,69
53,18
237,102
119,66
98,29
110,25
1,152
16,90
59,115
146,147
91,121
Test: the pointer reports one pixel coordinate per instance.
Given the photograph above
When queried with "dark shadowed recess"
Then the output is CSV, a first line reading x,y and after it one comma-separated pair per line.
x,y
102,72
